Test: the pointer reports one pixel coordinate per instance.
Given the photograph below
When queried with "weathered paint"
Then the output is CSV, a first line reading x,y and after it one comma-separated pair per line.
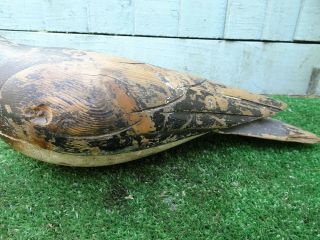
x,y
206,21
273,68
280,19
157,18
245,19
236,19
308,27
91,104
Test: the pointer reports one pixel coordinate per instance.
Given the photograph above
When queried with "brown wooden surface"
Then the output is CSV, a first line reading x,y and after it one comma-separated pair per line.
x,y
86,103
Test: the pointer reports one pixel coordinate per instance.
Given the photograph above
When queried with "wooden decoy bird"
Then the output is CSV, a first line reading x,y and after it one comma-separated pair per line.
x,y
81,108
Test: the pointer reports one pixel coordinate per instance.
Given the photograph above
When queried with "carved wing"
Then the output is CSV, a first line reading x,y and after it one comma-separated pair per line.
x,y
83,102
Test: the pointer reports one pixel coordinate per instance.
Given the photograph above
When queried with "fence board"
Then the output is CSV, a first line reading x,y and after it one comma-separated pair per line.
x,y
231,19
245,19
202,18
308,27
280,20
112,16
157,17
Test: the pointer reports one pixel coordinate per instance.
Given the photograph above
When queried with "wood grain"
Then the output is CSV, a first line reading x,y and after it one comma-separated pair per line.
x,y
97,106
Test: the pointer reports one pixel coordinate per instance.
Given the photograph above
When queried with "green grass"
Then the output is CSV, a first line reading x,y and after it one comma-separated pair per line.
x,y
216,187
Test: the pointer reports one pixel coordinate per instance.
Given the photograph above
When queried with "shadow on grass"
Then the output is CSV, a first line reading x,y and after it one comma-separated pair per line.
x,y
112,186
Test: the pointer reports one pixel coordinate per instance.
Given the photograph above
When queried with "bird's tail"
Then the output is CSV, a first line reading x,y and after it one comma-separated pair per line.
x,y
274,130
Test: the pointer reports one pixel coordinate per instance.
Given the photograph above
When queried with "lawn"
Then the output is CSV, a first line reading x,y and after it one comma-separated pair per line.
x,y
215,187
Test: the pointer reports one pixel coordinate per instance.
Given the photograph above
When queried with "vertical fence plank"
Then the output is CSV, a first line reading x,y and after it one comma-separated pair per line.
x,y
202,18
245,19
308,27
280,20
157,17
25,15
112,16
61,15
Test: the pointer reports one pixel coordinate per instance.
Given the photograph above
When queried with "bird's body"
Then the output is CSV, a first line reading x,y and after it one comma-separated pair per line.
x,y
82,108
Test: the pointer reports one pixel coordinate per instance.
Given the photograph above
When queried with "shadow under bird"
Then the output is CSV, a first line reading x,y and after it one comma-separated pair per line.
x,y
81,108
